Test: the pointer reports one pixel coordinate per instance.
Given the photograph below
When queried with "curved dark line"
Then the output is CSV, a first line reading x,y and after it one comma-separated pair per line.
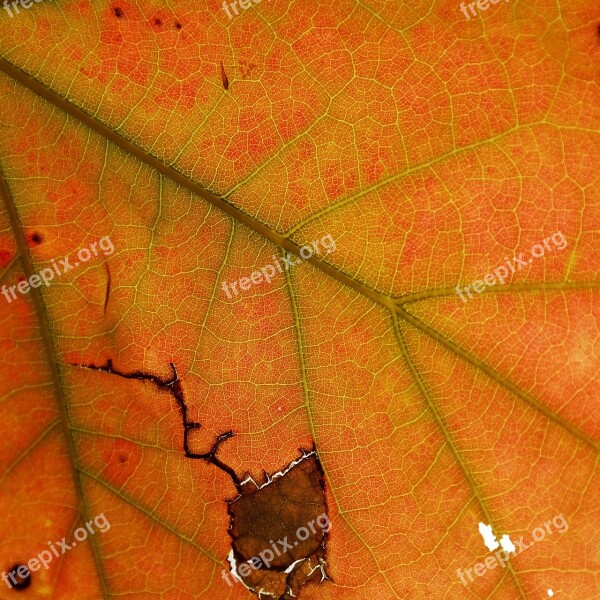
x,y
108,284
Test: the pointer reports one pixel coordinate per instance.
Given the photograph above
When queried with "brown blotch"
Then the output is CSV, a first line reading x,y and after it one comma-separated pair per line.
x,y
224,77
285,520
118,12
22,582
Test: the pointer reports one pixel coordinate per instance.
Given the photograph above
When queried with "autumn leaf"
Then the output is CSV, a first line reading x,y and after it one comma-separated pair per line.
x,y
299,297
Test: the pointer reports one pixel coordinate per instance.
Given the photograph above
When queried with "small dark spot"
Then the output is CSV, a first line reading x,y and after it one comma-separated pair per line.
x,y
118,12
158,22
22,582
598,30
224,77
21,278
36,238
178,25
122,458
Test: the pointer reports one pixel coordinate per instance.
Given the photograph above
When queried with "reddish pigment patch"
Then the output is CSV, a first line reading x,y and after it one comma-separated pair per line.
x,y
5,258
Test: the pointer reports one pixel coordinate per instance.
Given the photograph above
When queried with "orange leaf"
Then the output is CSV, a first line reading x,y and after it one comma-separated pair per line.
x,y
299,300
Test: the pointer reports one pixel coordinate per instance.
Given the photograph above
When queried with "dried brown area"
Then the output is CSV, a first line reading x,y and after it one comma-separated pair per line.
x,y
282,523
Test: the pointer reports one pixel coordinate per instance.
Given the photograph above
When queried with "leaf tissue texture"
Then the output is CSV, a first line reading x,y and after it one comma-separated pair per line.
x,y
319,272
